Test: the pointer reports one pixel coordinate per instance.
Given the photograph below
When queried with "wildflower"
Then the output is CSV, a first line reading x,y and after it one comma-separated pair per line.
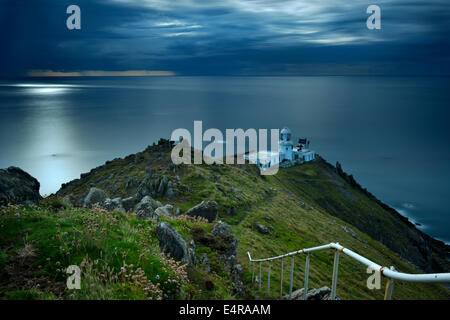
x,y
157,277
17,214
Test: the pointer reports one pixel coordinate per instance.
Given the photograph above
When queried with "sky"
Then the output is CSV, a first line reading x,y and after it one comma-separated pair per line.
x,y
224,37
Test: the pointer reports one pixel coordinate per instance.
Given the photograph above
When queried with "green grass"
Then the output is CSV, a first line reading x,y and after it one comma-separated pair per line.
x,y
27,295
306,205
118,255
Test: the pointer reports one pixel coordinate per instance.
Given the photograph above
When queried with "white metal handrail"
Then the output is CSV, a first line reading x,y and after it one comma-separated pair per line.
x,y
389,273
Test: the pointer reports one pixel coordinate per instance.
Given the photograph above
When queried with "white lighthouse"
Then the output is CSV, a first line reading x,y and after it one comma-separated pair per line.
x,y
288,155
285,147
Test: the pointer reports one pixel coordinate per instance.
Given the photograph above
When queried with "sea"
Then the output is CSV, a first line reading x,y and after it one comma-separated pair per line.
x,y
391,133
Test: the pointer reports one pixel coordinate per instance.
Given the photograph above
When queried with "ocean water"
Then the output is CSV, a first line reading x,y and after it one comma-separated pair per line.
x,y
391,133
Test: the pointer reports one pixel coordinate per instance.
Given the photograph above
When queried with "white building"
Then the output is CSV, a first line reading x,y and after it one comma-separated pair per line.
x,y
287,155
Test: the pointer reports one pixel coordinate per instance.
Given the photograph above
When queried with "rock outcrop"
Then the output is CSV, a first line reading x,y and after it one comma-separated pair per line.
x,y
221,229
227,245
166,211
156,187
18,187
323,293
146,209
113,205
128,203
206,209
171,243
262,228
95,196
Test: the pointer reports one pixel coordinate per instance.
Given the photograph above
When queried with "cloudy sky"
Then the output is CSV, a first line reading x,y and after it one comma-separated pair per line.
x,y
224,37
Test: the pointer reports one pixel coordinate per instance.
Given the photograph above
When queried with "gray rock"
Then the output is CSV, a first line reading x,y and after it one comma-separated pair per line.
x,y
156,188
323,293
145,209
68,199
130,183
163,186
128,203
171,242
149,201
349,230
191,251
221,229
113,205
17,186
146,188
166,210
171,193
262,228
94,196
206,209
236,276
203,260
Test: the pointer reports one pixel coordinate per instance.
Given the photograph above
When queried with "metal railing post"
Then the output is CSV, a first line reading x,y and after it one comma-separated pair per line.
x,y
390,273
292,278
281,277
305,291
389,288
268,282
335,275
253,272
259,279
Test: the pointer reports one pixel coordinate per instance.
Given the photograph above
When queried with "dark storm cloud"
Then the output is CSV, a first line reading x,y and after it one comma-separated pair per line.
x,y
226,37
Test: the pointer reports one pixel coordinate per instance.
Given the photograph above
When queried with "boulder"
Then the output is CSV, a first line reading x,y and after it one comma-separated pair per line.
x,y
145,209
171,193
262,228
146,188
163,186
166,210
156,188
228,245
148,201
113,205
171,242
128,203
323,293
221,229
236,282
205,209
17,186
94,196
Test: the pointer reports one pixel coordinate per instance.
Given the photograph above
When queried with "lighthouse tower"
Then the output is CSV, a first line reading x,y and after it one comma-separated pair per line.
x,y
286,146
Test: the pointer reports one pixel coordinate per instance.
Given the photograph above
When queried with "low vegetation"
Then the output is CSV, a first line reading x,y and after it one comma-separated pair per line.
x,y
119,256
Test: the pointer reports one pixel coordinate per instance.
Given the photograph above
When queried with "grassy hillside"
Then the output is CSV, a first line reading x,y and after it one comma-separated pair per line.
x,y
302,206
